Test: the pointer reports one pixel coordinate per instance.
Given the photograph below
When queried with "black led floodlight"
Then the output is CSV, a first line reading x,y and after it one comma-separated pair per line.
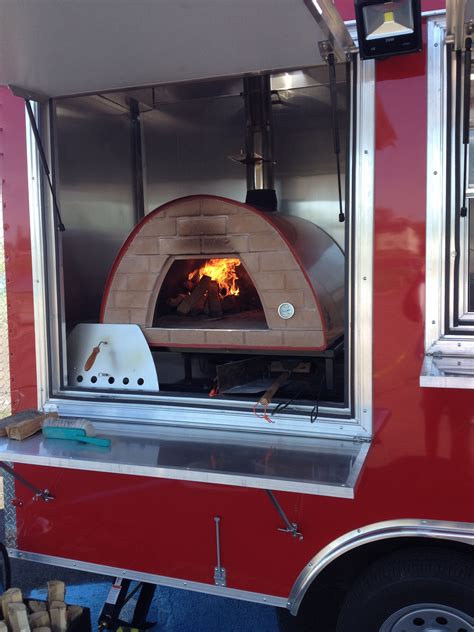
x,y
388,28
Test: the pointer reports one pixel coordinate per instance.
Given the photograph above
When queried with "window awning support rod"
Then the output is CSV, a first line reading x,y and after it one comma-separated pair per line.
x,y
44,162
291,527
466,116
327,53
42,494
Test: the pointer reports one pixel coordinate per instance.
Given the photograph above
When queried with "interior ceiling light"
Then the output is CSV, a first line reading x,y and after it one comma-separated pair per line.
x,y
388,28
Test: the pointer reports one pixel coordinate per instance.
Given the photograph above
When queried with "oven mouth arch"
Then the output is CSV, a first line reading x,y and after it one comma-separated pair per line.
x,y
184,301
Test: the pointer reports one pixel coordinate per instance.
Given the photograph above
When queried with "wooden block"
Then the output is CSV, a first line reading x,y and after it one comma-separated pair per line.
x,y
73,613
196,295
36,606
12,595
43,629
12,419
26,427
57,604
39,620
18,617
58,619
56,591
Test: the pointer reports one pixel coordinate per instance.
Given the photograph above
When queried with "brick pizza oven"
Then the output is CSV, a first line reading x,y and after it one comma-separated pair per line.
x,y
295,269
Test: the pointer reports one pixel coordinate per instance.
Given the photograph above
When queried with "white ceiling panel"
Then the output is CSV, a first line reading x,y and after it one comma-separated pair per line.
x,y
64,47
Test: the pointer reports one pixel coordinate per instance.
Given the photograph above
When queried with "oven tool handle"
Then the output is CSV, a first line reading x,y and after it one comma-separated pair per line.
x,y
92,358
291,527
42,494
267,397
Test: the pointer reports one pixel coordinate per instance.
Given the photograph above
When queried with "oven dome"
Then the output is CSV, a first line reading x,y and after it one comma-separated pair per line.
x,y
297,270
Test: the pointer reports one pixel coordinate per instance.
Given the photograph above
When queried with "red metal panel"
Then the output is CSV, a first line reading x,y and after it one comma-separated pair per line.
x,y
421,461
17,251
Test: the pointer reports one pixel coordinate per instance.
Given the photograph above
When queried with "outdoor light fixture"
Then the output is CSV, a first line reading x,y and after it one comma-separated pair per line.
x,y
388,28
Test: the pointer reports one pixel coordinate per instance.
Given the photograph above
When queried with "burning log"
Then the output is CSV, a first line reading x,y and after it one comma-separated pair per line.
x,y
215,307
174,302
210,290
230,303
195,297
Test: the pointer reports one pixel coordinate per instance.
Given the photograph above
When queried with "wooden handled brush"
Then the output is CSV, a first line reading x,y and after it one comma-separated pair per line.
x,y
92,358
269,394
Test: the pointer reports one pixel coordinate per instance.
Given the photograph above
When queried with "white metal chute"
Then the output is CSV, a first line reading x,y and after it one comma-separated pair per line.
x,y
65,47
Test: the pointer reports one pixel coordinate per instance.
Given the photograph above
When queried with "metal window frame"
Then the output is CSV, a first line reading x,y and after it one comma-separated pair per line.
x,y
353,422
443,337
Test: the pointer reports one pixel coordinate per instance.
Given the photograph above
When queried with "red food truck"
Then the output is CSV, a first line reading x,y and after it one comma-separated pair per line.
x,y
238,279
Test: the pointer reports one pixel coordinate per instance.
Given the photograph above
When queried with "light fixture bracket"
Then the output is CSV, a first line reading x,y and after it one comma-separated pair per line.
x,y
325,49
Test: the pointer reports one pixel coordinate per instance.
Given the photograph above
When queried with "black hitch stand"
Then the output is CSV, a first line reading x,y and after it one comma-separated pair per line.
x,y
119,595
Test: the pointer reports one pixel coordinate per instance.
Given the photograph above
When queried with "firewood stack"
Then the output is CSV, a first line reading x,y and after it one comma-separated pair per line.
x,y
203,297
38,616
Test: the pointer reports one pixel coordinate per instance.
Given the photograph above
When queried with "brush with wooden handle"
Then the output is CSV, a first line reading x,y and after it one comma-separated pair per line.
x,y
270,393
92,358
267,397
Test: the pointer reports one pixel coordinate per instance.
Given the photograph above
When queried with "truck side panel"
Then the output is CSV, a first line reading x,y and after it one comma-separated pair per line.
x,y
420,462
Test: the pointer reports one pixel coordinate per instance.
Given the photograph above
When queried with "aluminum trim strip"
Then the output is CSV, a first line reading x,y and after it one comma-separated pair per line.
x,y
357,466
435,184
364,245
216,478
160,580
438,529
225,418
37,238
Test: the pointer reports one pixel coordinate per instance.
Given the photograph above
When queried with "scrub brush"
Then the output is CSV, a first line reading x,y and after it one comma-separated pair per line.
x,y
73,429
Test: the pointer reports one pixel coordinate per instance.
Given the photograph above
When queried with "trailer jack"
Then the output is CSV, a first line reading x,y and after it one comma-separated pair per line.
x,y
119,595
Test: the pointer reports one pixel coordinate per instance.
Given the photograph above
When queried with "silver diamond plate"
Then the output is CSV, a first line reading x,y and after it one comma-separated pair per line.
x,y
10,510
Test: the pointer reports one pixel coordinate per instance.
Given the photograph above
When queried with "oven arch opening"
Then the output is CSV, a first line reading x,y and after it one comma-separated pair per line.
x,y
202,292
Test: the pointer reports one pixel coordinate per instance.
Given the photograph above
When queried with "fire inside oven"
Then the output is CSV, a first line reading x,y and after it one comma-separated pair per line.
x,y
217,292
234,267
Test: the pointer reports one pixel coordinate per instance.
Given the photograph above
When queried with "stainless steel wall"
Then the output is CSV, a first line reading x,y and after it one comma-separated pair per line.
x,y
189,132
188,144
95,192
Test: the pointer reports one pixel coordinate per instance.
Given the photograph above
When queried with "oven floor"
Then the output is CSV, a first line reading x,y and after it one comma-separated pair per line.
x,y
252,319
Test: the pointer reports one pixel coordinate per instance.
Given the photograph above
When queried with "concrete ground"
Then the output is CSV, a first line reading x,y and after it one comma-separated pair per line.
x,y
173,610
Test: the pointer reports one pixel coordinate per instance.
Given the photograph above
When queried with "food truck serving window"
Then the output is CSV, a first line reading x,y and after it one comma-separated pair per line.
x,y
213,285
449,337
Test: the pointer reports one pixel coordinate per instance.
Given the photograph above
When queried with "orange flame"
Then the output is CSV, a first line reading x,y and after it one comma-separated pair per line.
x,y
222,271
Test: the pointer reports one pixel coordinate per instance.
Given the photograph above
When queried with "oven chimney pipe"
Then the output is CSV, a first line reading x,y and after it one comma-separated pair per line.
x,y
259,143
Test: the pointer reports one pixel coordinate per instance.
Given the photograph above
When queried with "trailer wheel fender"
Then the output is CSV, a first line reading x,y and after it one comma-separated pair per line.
x,y
461,532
